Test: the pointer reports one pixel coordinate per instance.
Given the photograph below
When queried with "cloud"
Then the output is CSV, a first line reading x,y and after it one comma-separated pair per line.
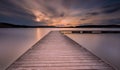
x,y
93,13
113,21
109,21
103,15
45,11
111,8
83,19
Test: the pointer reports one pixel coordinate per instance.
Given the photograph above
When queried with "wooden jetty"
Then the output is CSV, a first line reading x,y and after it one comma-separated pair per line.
x,y
89,32
58,52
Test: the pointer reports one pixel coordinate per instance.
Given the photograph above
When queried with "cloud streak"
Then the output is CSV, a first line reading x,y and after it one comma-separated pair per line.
x,y
60,12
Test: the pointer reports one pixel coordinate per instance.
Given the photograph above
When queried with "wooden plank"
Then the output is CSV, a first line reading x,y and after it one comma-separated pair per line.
x,y
58,52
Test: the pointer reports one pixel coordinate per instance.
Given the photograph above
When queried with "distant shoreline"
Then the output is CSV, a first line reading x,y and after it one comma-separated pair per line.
x,y
7,25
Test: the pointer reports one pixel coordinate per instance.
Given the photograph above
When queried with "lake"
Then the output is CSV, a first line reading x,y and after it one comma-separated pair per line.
x,y
16,41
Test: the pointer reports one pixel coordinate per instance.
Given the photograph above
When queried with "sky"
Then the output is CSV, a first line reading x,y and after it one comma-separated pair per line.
x,y
60,12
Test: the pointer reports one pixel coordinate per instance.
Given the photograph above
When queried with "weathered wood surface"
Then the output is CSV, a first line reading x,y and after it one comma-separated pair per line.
x,y
58,52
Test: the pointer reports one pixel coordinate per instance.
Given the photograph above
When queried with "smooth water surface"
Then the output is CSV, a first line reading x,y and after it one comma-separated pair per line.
x,y
16,41
105,46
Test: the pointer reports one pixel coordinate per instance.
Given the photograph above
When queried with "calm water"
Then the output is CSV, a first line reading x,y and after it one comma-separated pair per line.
x,y
105,46
14,42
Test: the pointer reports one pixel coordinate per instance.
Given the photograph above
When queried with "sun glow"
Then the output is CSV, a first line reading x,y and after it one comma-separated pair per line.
x,y
65,22
39,16
38,19
57,21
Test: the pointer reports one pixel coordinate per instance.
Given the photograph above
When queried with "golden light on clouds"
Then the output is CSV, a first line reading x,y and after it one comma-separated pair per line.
x,y
56,21
39,16
66,21
60,12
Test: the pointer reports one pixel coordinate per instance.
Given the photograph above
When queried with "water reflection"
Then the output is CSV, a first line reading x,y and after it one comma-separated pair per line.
x,y
14,42
38,33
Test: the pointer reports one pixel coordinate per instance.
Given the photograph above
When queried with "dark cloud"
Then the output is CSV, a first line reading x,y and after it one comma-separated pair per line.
x,y
28,10
114,21
7,8
83,19
111,8
93,13
104,10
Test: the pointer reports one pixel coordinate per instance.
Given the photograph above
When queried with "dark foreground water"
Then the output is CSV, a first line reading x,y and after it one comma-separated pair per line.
x,y
14,42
